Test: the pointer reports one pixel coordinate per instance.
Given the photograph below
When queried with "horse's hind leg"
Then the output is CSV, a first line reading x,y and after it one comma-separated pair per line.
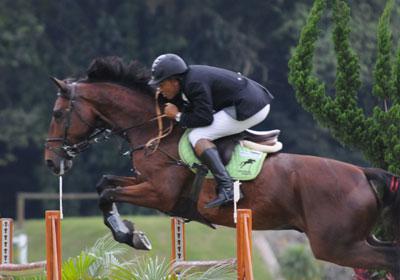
x,y
123,231
359,254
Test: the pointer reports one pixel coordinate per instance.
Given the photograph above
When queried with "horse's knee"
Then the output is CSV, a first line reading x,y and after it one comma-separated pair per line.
x,y
106,197
103,183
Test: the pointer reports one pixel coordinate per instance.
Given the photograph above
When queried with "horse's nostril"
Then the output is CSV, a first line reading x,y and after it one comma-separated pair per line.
x,y
49,163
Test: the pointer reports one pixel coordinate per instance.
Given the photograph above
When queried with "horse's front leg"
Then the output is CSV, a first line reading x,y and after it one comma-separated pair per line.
x,y
123,231
113,181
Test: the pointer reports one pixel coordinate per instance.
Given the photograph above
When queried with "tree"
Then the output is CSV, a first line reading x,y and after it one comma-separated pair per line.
x,y
375,134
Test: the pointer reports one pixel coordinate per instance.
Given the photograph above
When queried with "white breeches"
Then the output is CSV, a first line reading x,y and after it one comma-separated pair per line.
x,y
224,125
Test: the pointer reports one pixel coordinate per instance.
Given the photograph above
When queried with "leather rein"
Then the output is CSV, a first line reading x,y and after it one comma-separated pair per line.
x,y
69,151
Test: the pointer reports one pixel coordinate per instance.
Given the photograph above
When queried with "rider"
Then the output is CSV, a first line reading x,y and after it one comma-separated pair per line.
x,y
218,103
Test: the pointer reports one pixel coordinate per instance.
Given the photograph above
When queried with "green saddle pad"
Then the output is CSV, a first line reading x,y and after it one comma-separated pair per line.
x,y
244,165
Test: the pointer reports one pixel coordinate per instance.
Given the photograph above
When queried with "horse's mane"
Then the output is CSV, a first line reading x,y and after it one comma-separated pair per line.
x,y
113,69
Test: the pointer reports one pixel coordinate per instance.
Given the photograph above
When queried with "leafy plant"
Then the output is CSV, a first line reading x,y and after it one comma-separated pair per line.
x,y
298,264
145,268
94,263
220,272
104,261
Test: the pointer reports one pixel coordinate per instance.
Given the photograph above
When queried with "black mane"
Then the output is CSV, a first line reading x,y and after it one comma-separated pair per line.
x,y
113,69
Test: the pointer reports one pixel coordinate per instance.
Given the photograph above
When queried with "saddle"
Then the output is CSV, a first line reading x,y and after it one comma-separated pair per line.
x,y
262,141
243,154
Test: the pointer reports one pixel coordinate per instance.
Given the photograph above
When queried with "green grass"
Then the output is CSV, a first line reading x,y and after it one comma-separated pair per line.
x,y
203,243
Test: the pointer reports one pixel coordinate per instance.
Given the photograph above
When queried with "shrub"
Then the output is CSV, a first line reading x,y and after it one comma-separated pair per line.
x,y
298,263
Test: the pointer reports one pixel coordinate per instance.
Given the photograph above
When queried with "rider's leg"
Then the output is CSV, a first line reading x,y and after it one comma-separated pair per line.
x,y
201,139
208,154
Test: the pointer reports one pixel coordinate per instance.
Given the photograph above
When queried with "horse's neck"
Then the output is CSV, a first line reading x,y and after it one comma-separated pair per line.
x,y
122,107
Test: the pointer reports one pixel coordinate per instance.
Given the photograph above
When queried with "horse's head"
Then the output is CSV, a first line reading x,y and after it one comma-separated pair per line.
x,y
71,124
112,96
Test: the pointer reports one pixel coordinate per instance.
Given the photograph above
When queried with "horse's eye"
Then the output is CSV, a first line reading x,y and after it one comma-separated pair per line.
x,y
57,114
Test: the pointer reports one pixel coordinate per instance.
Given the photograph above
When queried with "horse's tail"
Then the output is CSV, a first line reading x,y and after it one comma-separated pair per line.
x,y
388,189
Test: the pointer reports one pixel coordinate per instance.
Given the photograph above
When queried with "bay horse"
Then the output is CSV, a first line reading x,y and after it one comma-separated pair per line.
x,y
335,204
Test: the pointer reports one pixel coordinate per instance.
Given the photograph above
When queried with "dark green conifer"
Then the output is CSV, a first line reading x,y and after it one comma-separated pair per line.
x,y
375,134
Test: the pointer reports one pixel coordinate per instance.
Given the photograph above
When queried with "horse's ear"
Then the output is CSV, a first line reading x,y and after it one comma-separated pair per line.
x,y
61,85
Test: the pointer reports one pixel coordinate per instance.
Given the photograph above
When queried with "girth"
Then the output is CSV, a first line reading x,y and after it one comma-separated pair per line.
x,y
186,206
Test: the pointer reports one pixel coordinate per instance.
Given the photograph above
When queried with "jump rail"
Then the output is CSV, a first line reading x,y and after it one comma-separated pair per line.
x,y
53,249
243,247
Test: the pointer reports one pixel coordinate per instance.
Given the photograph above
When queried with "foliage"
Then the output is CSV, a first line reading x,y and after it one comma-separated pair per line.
x,y
79,267
144,268
147,268
95,262
297,263
104,261
221,272
377,135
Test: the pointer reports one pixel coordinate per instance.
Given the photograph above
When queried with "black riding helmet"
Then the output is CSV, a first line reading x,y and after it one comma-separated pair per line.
x,y
165,66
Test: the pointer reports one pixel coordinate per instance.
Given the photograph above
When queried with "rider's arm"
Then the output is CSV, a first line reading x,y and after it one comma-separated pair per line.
x,y
201,113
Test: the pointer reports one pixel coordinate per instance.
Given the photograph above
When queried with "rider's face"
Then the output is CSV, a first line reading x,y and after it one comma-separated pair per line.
x,y
169,88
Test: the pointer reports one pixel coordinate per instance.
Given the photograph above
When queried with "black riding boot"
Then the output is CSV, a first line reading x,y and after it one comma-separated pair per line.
x,y
211,158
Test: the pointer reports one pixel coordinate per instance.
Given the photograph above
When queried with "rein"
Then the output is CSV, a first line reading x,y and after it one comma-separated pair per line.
x,y
155,142
101,135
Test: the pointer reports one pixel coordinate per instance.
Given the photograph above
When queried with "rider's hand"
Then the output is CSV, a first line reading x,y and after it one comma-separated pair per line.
x,y
170,110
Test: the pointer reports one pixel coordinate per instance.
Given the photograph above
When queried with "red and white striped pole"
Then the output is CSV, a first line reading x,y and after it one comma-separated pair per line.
x,y
178,252
6,240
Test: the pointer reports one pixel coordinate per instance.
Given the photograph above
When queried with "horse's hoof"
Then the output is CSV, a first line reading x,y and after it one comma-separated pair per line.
x,y
140,241
124,232
137,239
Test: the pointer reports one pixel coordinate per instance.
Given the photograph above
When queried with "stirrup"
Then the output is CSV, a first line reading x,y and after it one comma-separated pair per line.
x,y
219,201
222,198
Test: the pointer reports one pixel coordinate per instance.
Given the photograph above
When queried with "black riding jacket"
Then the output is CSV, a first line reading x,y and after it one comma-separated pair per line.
x,y
207,89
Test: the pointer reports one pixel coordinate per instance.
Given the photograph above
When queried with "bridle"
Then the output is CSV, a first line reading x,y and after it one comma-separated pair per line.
x,y
69,151
66,150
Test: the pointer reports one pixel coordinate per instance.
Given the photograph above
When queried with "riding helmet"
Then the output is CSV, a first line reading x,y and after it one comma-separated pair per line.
x,y
165,66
